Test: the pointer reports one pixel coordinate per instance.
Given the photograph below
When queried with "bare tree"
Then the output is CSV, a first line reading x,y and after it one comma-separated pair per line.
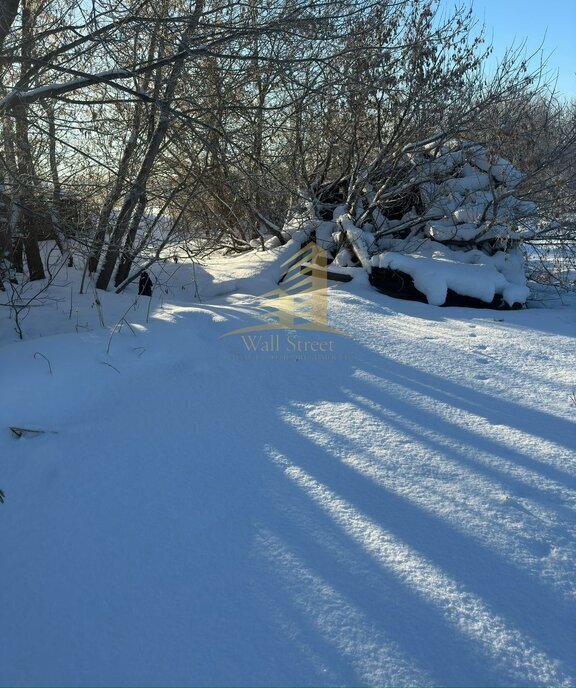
x,y
264,105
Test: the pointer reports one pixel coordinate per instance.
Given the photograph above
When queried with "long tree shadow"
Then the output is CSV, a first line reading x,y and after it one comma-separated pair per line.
x,y
467,436
484,571
502,465
394,612
496,410
426,586
456,552
316,564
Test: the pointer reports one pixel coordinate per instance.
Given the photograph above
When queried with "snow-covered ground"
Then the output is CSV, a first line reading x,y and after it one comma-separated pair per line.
x,y
398,510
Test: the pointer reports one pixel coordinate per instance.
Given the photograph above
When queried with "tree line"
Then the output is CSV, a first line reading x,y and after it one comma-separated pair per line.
x,y
128,125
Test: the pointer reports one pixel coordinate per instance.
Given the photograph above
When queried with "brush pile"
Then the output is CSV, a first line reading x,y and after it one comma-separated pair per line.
x,y
444,224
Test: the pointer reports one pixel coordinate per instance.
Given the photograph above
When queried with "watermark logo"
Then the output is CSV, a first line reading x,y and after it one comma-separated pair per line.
x,y
295,314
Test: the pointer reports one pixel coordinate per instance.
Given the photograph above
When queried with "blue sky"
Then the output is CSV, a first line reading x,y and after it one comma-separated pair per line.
x,y
553,21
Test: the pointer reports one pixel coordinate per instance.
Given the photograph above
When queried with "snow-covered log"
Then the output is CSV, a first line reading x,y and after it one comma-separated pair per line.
x,y
355,237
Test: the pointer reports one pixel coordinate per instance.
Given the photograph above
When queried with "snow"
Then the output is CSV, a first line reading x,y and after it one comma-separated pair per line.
x,y
324,235
434,277
506,173
468,193
343,258
444,205
449,231
381,221
401,512
357,237
473,181
273,242
472,213
435,268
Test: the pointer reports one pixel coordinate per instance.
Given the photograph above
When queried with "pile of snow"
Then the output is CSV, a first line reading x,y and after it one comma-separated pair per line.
x,y
435,269
449,219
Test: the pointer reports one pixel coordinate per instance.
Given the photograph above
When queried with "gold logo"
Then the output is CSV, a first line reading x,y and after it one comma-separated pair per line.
x,y
301,300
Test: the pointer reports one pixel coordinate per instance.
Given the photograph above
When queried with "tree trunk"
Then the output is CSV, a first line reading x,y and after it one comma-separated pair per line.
x,y
130,203
114,193
32,251
17,255
60,233
128,254
8,12
28,180
11,210
139,187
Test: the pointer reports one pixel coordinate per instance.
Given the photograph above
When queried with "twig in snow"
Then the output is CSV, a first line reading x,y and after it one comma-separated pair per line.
x,y
110,366
21,432
118,325
46,359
